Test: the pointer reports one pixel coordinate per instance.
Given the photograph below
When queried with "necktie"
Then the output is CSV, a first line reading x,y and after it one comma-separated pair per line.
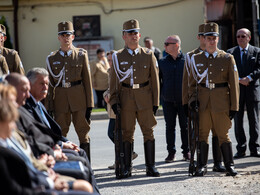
x,y
44,119
243,57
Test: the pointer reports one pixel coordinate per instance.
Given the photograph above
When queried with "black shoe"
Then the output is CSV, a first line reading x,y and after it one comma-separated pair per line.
x,y
201,171
255,154
231,171
152,171
218,167
170,158
239,155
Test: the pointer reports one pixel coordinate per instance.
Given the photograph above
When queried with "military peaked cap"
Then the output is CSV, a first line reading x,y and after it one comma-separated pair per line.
x,y
65,27
201,29
131,26
211,29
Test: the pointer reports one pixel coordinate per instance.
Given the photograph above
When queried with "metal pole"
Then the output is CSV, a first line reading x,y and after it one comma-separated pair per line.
x,y
255,17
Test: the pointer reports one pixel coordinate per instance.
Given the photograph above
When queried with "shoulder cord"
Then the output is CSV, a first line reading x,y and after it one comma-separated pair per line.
x,y
187,63
196,74
120,73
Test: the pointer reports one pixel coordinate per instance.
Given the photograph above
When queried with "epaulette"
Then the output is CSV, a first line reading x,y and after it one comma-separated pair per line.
x,y
82,51
53,53
147,50
227,55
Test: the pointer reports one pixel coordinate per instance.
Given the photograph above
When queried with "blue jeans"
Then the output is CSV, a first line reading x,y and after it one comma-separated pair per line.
x,y
171,110
111,128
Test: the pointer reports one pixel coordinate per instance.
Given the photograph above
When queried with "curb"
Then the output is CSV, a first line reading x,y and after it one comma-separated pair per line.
x,y
103,115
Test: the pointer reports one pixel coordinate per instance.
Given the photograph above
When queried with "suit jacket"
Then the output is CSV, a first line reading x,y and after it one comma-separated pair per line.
x,y
31,107
39,136
251,68
15,177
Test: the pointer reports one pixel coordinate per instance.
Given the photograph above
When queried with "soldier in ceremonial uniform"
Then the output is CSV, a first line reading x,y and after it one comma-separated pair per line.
x,y
134,87
187,73
70,86
12,58
216,80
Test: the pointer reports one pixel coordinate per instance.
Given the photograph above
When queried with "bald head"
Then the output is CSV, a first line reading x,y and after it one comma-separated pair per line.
x,y
243,37
22,86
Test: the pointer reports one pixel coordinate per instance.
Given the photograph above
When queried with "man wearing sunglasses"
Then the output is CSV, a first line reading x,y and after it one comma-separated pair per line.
x,y
248,64
134,88
216,88
170,74
70,91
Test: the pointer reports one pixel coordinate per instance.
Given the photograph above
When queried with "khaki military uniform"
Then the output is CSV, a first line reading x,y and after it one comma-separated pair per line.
x,y
136,102
99,74
3,65
215,103
72,94
13,60
186,74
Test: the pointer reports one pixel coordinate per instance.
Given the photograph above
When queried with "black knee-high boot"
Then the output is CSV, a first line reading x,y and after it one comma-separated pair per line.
x,y
149,151
217,156
227,153
203,159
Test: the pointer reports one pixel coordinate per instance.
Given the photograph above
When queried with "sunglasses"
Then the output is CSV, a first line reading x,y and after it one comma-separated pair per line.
x,y
166,44
242,36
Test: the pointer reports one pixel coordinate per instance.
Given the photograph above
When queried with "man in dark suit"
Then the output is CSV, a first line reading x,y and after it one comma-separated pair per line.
x,y
41,135
247,59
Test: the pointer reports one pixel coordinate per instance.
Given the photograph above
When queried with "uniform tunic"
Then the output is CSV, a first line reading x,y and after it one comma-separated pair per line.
x,y
75,99
187,77
3,65
186,74
136,103
216,103
13,60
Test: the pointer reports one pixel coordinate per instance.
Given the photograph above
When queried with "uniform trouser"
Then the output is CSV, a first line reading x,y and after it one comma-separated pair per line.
x,y
219,121
253,119
171,110
145,119
79,121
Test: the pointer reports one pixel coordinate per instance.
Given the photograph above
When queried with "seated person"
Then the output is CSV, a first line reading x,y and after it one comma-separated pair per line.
x,y
18,176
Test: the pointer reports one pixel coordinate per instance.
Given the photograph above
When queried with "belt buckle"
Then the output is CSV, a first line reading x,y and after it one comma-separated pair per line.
x,y
66,85
211,86
136,86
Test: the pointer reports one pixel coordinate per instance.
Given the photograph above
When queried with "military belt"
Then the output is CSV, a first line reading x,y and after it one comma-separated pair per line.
x,y
135,86
214,85
70,84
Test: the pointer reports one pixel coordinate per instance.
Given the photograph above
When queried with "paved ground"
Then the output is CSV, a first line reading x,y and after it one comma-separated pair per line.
x,y
174,177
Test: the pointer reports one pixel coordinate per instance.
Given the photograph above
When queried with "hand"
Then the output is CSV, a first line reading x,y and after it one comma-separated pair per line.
x,y
186,109
194,106
116,108
61,185
155,108
106,98
59,155
70,145
244,81
232,113
88,113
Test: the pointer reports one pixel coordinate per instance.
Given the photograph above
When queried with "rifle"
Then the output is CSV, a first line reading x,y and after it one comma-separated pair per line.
x,y
193,129
119,148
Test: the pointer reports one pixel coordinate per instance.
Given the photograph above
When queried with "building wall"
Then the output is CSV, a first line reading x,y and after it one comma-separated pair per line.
x,y
38,23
